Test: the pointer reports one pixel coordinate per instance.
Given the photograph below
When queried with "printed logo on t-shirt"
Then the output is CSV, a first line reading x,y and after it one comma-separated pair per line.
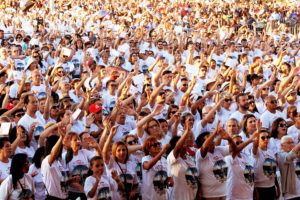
x,y
80,170
191,177
220,170
104,194
76,63
138,170
160,181
297,169
249,174
269,167
111,105
63,182
26,194
127,180
20,66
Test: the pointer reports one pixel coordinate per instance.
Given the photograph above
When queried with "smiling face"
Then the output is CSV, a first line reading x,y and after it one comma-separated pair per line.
x,y
75,143
121,153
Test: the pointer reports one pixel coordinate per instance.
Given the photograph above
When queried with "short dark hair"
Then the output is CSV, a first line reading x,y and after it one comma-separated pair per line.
x,y
26,99
237,99
2,141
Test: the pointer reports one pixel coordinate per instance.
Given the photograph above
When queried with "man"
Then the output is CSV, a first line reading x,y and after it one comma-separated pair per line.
x,y
31,116
183,88
37,85
271,113
97,126
288,161
294,130
110,97
125,126
243,105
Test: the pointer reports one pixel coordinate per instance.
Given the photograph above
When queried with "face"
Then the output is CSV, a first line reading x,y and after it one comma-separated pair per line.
x,y
54,109
232,127
168,78
164,127
271,103
6,150
288,145
36,77
32,105
18,116
121,153
227,102
202,72
155,148
264,140
184,86
97,167
75,143
292,97
131,141
25,167
98,115
282,128
153,128
161,98
251,125
67,141
121,117
243,102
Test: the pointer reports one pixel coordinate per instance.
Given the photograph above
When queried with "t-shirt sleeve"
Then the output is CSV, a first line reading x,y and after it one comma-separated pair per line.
x,y
88,185
88,154
171,158
224,150
5,187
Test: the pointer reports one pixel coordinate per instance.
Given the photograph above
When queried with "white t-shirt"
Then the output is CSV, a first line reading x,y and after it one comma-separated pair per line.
x,y
5,169
29,151
294,132
26,121
267,118
123,130
240,179
105,188
54,177
264,168
38,182
185,175
7,191
213,172
238,116
155,180
127,173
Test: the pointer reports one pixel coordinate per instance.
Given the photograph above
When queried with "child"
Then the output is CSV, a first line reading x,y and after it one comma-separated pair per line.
x,y
98,185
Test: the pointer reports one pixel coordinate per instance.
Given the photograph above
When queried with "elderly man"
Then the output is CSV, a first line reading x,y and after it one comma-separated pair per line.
x,y
289,160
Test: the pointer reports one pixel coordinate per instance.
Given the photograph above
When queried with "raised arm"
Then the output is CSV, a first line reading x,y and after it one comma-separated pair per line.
x,y
112,133
208,142
180,143
256,140
56,149
148,165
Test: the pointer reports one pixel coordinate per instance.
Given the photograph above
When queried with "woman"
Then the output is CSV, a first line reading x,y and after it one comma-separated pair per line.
x,y
240,179
248,125
35,172
264,167
151,127
76,159
119,162
53,173
278,130
183,168
211,165
291,113
155,178
24,142
18,185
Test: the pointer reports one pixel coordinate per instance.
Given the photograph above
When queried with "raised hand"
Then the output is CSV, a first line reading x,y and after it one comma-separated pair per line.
x,y
158,110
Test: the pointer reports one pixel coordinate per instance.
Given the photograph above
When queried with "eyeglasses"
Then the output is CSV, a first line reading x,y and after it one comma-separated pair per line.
x,y
19,114
132,142
65,56
251,102
238,142
228,100
61,71
55,107
273,102
282,125
265,89
173,112
184,85
156,144
265,137
113,85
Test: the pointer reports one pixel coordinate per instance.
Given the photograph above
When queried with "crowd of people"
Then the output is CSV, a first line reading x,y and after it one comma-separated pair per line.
x,y
152,100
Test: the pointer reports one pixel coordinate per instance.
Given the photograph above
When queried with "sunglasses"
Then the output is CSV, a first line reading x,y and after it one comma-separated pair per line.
x,y
239,142
265,89
20,114
251,102
282,125
265,137
55,107
228,100
184,85
273,102
156,144
132,142
173,112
